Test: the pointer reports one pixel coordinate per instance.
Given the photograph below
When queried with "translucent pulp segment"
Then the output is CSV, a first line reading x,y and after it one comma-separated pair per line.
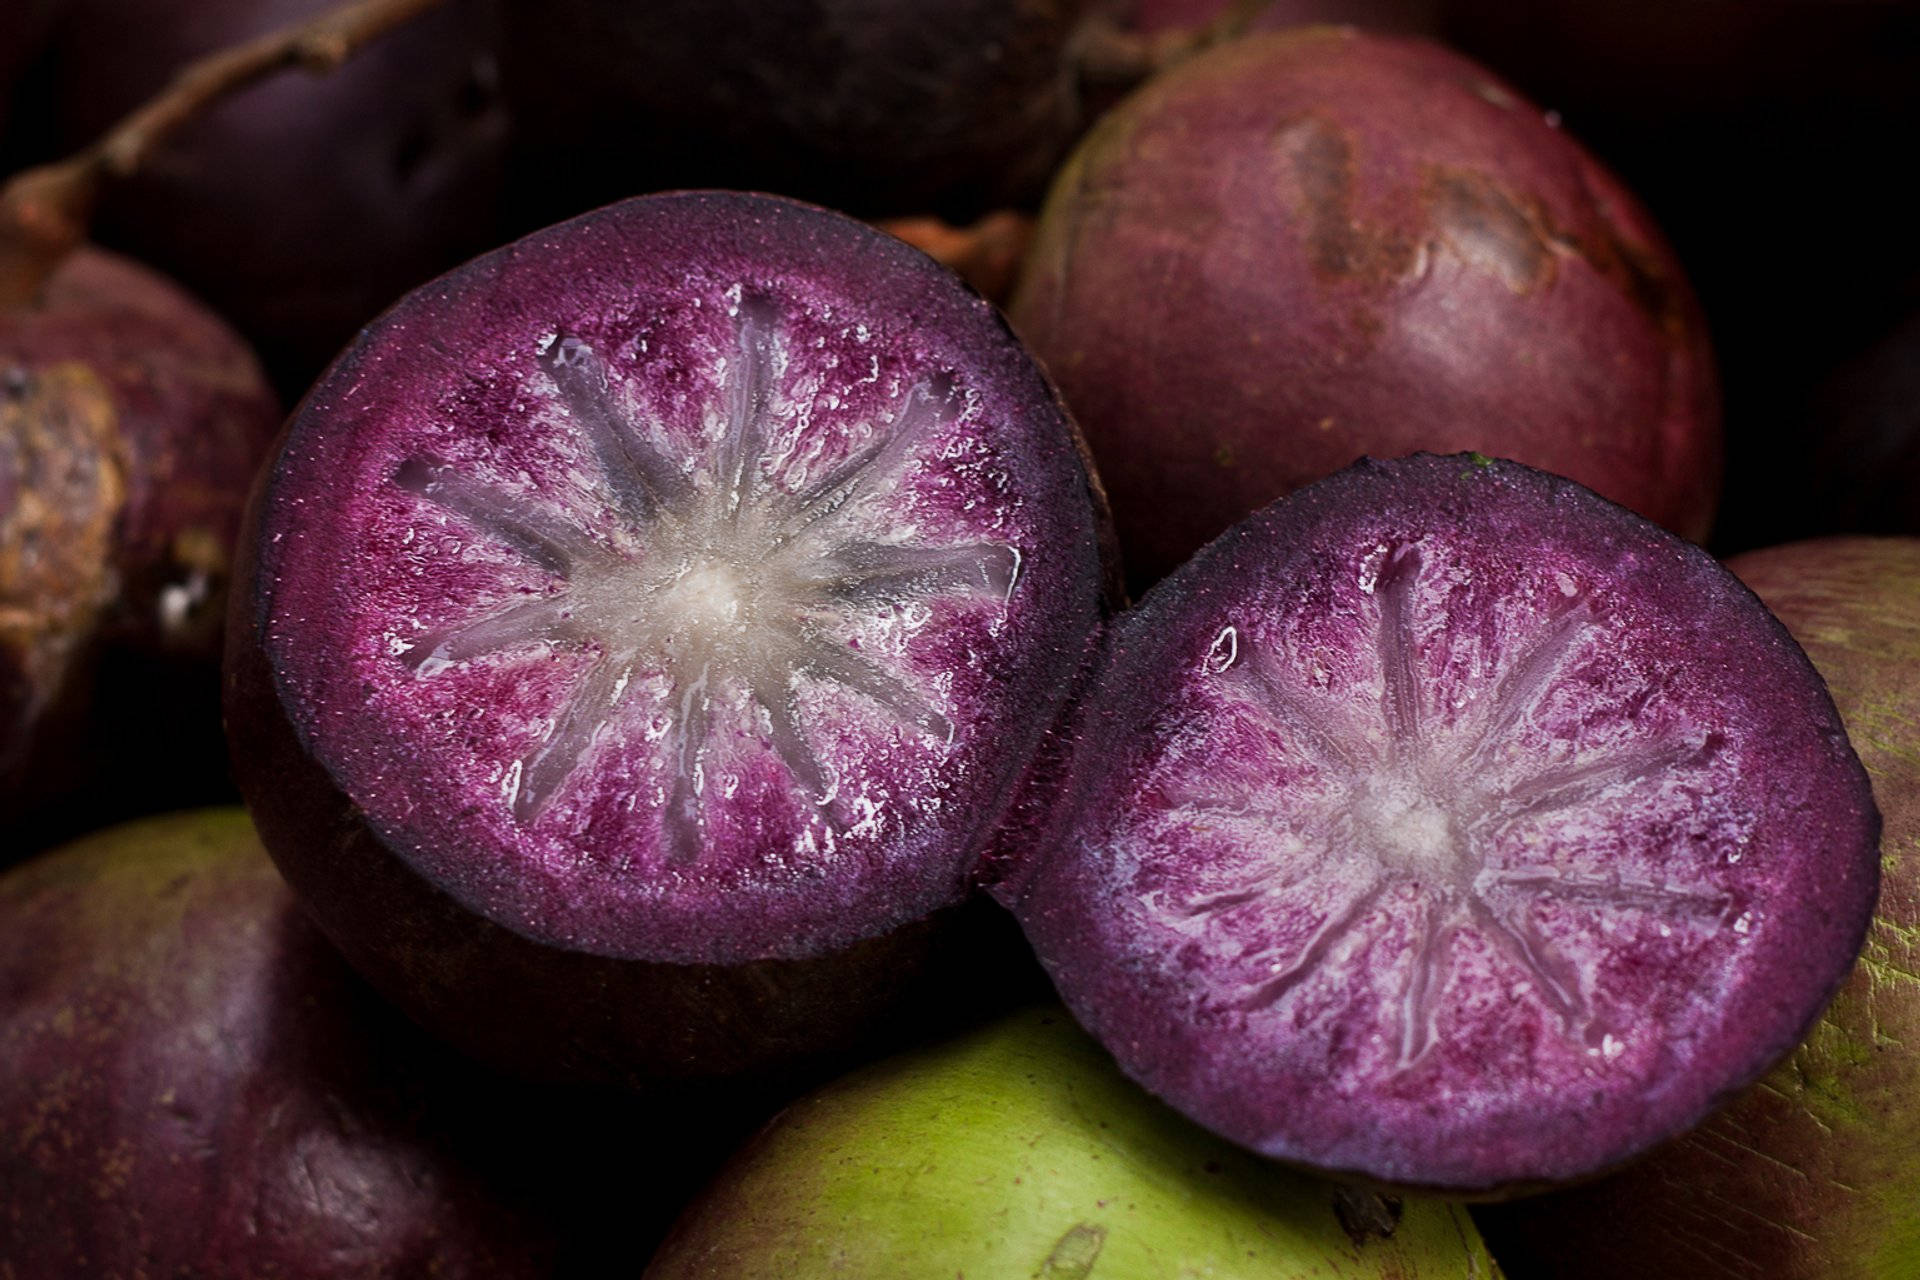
x,y
1475,832
703,598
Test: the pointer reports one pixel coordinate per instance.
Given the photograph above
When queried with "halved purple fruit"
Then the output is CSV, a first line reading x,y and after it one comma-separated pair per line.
x,y
1449,825
686,585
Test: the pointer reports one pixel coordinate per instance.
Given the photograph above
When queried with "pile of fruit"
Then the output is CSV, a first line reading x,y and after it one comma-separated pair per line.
x,y
1030,638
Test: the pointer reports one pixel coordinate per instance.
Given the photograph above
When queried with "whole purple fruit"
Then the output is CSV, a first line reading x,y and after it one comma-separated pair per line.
x,y
131,419
1446,825
304,205
1308,246
645,627
193,1083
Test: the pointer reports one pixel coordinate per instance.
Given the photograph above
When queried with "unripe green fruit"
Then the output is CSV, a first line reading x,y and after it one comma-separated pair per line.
x,y
1021,1151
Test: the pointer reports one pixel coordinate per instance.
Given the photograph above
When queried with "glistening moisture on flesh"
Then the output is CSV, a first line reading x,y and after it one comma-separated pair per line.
x,y
721,593
1435,822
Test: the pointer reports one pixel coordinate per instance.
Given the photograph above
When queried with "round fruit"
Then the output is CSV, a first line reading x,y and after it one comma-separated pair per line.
x,y
1812,1174
1020,1151
302,206
1447,824
130,421
192,1083
1308,246
647,626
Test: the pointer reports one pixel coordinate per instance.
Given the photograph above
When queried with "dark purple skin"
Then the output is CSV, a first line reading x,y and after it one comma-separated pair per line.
x,y
1308,246
134,419
879,107
591,775
1763,135
1447,825
303,206
193,1083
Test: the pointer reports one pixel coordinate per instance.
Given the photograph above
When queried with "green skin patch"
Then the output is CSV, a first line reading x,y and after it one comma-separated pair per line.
x,y
1021,1151
1829,1121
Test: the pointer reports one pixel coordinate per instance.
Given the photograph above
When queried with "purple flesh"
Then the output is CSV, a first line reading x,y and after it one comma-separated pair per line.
x,y
1449,825
687,584
1812,1173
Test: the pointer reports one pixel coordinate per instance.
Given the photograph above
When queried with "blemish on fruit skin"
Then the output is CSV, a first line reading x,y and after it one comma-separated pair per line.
x,y
1366,1215
1320,157
1074,1254
1489,229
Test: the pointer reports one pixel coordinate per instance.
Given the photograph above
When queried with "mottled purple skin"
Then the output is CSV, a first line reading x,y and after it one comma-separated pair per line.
x,y
135,420
193,1083
1308,246
1812,1174
878,107
1130,899
1376,15
1758,132
379,790
306,204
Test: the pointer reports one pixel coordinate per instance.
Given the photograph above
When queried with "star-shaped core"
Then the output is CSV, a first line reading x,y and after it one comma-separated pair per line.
x,y
740,569
1415,808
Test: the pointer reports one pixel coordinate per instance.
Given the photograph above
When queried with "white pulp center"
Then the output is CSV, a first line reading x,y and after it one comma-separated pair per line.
x,y
709,599
1409,829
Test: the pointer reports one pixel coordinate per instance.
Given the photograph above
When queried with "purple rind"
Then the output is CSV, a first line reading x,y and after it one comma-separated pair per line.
x,y
543,979
1465,1136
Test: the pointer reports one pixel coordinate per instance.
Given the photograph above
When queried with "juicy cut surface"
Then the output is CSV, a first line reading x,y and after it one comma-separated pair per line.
x,y
1474,833
703,599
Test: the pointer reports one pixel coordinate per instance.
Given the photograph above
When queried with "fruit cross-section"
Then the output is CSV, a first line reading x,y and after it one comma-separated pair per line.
x,y
735,565
1413,806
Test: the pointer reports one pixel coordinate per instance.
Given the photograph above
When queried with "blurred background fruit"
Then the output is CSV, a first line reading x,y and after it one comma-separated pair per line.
x,y
1307,246
131,421
303,205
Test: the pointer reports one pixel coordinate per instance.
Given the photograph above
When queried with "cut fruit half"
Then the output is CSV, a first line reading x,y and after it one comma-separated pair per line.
x,y
687,584
1450,825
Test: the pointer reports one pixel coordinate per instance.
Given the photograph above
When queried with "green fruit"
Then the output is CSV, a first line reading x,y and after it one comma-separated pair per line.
x,y
1020,1151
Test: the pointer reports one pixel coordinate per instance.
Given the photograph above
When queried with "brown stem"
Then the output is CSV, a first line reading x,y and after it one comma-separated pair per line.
x,y
1113,58
987,254
45,211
